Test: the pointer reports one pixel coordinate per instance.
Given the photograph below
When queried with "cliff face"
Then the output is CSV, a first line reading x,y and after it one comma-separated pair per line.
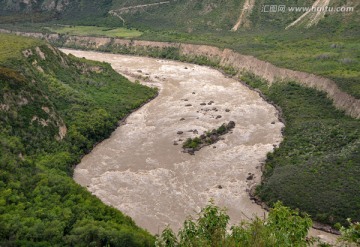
x,y
226,57
33,5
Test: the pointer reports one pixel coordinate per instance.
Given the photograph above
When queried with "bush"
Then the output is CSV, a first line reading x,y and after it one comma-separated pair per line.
x,y
283,227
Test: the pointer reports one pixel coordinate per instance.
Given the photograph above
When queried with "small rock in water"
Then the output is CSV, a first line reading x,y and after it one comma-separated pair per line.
x,y
231,125
182,119
188,105
273,122
211,102
219,187
193,92
175,143
180,132
203,104
227,110
250,177
219,116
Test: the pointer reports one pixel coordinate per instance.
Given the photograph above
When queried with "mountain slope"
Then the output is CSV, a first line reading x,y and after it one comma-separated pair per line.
x,y
228,15
53,109
186,15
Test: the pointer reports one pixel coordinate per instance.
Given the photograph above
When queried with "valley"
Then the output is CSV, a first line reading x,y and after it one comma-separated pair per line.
x,y
141,172
186,107
141,169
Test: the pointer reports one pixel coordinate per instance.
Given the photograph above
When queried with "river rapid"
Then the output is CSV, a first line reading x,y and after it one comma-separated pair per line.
x,y
142,172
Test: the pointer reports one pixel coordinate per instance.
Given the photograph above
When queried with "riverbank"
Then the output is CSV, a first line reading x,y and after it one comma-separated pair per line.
x,y
136,74
167,185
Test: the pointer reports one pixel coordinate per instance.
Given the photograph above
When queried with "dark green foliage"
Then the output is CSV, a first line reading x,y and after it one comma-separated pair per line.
x,y
192,143
283,227
40,204
210,137
316,167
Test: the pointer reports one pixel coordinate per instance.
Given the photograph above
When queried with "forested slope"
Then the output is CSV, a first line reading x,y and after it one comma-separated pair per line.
x,y
53,109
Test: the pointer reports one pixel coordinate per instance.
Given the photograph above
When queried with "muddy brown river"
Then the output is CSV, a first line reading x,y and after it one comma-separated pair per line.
x,y
140,171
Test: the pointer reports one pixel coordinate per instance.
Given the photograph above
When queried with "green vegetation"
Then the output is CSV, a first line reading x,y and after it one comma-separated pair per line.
x,y
40,204
283,227
11,46
351,234
316,166
209,137
192,143
95,31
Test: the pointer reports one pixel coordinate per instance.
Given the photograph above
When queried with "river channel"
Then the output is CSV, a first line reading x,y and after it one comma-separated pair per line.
x,y
141,169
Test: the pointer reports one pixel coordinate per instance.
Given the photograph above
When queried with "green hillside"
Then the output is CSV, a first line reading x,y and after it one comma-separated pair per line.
x,y
53,109
209,15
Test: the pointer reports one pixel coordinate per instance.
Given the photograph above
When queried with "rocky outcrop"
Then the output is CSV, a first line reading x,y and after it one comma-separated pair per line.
x,y
223,57
34,5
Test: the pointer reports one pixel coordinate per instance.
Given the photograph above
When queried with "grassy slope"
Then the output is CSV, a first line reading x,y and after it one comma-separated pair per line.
x,y
96,31
40,204
11,46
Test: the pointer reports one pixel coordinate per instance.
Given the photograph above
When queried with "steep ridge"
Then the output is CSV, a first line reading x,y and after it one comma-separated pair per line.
x,y
226,57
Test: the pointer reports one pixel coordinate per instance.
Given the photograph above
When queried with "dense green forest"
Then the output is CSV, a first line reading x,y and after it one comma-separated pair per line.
x,y
316,167
53,109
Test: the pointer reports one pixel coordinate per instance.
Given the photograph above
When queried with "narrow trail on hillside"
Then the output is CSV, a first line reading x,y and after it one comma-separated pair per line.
x,y
117,12
311,17
245,12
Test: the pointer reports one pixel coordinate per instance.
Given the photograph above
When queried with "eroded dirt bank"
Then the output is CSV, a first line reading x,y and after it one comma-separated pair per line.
x,y
140,171
225,57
